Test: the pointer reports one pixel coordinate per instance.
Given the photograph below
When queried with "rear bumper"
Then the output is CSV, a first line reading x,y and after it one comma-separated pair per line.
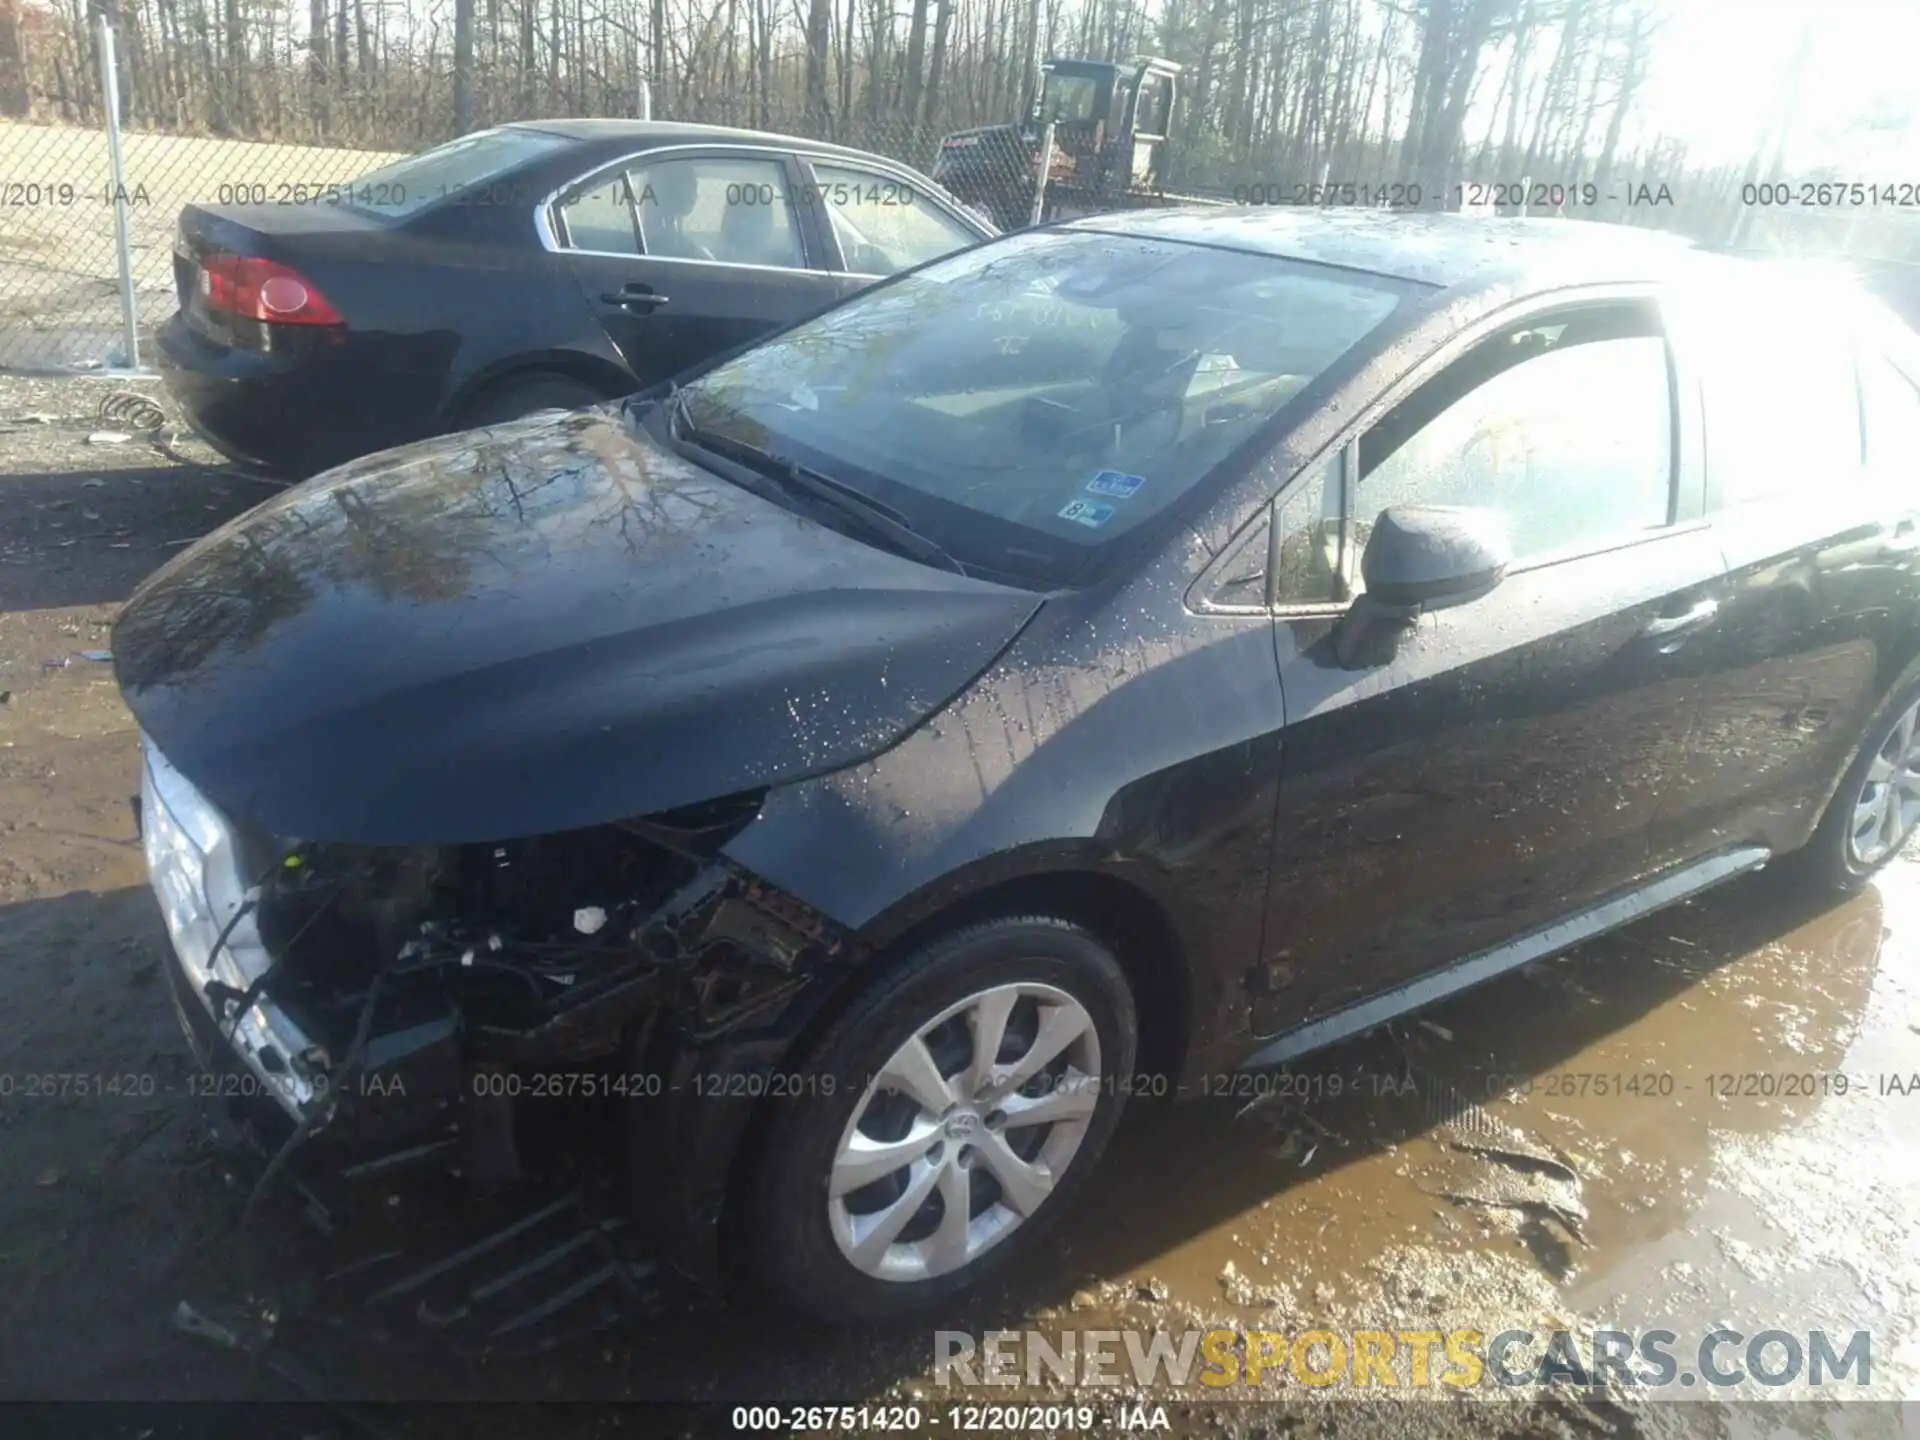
x,y
319,400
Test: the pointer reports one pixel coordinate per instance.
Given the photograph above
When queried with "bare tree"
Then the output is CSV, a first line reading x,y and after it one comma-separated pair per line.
x,y
463,99
819,28
1273,93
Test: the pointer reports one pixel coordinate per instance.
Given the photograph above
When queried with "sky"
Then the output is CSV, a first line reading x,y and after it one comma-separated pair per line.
x,y
1719,68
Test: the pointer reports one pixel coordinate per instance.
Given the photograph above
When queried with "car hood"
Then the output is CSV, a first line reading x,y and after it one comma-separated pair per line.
x,y
541,626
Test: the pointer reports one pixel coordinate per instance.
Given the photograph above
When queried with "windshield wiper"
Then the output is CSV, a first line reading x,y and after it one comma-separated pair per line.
x,y
878,519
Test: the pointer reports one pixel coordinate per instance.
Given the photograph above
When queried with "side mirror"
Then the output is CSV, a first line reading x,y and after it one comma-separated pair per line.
x,y
1419,557
1425,556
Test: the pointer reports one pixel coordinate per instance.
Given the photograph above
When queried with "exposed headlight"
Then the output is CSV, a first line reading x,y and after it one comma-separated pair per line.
x,y
196,876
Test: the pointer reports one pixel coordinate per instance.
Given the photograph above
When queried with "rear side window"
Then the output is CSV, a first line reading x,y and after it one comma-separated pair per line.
x,y
885,225
1565,429
460,169
1782,406
735,211
600,218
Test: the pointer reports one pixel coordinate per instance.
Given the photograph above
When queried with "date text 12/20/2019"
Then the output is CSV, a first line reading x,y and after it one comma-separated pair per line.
x,y
1050,1419
1542,195
1550,195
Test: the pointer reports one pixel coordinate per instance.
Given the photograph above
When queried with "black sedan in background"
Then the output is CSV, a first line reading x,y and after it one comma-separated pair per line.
x,y
1120,654
555,263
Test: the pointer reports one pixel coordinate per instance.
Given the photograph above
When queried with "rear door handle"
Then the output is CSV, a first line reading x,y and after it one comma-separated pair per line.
x,y
635,297
1692,618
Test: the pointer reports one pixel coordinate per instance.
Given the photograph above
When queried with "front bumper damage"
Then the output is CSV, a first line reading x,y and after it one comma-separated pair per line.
x,y
494,1013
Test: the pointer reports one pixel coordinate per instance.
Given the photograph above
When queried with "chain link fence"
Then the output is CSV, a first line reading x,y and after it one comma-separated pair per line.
x,y
60,283
66,294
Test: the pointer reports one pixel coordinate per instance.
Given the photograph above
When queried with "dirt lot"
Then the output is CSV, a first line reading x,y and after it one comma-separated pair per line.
x,y
1453,1172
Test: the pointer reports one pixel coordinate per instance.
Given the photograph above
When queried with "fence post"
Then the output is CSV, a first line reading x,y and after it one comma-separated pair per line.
x,y
1041,176
103,14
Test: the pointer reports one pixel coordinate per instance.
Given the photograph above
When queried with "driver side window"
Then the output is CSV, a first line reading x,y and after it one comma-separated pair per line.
x,y
1564,427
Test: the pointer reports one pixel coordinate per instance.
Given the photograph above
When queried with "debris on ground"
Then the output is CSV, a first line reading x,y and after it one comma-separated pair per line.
x,y
1488,1165
134,410
1526,1160
108,437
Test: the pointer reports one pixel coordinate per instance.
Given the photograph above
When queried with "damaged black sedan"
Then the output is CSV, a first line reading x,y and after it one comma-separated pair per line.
x,y
1078,668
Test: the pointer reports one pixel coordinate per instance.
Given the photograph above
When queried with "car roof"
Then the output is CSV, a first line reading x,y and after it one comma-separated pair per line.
x,y
648,134
1429,248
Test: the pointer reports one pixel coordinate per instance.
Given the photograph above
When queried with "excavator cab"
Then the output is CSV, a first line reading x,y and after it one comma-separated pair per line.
x,y
1149,123
1110,122
1111,125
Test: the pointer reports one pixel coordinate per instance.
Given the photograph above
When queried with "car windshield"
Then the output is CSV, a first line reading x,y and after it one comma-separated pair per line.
x,y
448,171
1027,404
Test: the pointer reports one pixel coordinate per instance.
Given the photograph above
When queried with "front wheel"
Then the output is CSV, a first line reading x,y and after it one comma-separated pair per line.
x,y
1875,810
951,1112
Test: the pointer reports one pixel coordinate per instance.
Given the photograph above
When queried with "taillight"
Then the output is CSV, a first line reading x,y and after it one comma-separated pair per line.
x,y
256,289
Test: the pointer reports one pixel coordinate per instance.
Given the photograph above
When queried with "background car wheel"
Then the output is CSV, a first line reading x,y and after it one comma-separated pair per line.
x,y
1874,812
523,395
972,1090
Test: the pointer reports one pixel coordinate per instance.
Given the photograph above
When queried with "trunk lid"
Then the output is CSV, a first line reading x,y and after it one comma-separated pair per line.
x,y
287,233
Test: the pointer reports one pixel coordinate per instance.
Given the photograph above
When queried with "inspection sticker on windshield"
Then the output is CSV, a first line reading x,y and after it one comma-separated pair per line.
x,y
1112,482
1091,513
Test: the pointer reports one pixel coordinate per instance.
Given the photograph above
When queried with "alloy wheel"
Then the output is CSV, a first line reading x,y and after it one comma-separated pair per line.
x,y
964,1133
1888,804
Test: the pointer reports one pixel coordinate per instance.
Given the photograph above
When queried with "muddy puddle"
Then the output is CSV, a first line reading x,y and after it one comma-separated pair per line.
x,y
1709,1120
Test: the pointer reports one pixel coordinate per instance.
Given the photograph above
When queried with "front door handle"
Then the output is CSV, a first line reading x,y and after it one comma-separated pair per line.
x,y
1692,618
635,297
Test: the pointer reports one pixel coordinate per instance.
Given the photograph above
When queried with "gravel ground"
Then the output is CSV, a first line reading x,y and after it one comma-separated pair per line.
x,y
1357,1207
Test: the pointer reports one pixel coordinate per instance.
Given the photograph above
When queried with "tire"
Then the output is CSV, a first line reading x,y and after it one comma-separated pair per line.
x,y
1833,860
522,395
1038,971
